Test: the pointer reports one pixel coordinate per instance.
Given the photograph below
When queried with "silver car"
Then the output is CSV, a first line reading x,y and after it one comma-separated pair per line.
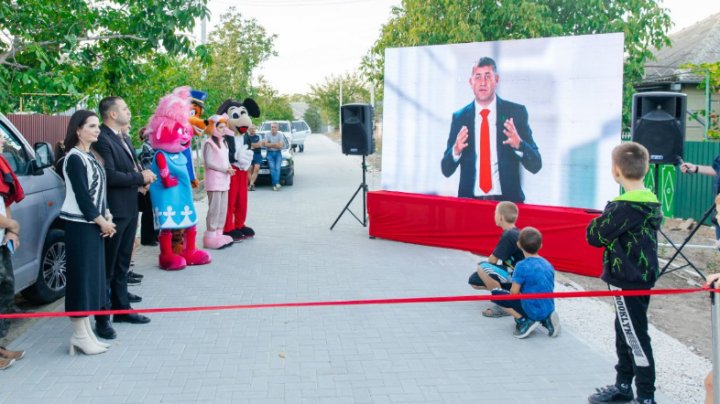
x,y
39,263
300,130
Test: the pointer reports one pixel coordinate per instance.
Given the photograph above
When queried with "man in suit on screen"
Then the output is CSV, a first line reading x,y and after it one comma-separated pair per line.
x,y
489,139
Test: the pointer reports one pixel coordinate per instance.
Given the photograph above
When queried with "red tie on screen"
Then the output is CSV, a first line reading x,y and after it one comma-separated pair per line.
x,y
484,153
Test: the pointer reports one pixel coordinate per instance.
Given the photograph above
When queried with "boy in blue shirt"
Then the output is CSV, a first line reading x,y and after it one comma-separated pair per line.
x,y
534,274
495,272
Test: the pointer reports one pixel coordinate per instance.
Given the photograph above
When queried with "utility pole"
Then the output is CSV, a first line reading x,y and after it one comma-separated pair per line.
x,y
340,108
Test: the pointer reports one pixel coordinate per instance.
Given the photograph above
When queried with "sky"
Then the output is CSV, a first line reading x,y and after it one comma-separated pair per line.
x,y
320,38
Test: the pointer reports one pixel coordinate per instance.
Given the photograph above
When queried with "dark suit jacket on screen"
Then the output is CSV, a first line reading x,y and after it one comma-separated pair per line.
x,y
508,161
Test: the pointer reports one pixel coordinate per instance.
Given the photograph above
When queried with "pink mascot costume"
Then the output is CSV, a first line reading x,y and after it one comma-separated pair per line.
x,y
173,207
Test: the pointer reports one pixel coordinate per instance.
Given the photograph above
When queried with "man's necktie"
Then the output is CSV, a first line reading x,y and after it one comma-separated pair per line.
x,y
484,153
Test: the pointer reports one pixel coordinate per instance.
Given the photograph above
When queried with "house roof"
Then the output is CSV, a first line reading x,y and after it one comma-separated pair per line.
x,y
696,44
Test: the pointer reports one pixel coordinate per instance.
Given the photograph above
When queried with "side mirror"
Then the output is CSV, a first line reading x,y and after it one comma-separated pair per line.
x,y
44,157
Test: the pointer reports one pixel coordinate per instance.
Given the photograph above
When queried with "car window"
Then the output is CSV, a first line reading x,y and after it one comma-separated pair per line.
x,y
299,126
265,127
14,152
284,127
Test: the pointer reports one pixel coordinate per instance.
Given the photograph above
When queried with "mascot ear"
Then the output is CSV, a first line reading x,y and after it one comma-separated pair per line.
x,y
224,107
252,107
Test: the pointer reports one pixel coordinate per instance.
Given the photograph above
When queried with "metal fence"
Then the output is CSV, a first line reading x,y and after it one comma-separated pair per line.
x,y
695,193
41,128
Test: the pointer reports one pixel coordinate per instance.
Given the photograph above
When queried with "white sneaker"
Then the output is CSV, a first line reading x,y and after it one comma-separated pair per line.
x,y
275,188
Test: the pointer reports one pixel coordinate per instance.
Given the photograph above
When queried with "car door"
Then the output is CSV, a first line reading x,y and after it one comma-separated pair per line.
x,y
31,212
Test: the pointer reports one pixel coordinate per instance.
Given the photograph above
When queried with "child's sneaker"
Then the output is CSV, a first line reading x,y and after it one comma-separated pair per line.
x,y
524,326
552,323
612,394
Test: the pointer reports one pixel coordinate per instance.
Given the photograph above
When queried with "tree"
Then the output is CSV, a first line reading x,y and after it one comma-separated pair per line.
x,y
325,96
88,48
313,119
419,22
235,48
273,106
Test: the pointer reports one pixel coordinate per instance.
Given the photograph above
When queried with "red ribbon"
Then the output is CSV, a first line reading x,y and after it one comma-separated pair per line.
x,y
403,300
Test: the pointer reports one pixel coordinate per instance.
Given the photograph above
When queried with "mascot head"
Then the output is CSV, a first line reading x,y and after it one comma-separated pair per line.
x,y
239,114
169,128
197,102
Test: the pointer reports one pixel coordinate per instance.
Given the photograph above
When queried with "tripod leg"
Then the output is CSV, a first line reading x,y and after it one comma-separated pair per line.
x,y
678,250
347,206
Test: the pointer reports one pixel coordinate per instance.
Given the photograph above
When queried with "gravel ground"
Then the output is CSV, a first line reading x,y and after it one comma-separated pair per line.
x,y
680,372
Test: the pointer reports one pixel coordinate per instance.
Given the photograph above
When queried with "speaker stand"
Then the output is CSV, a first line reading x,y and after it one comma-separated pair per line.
x,y
678,250
364,188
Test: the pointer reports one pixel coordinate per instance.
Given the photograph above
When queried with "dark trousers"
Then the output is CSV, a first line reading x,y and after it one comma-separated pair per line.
x,y
632,343
7,288
148,234
118,252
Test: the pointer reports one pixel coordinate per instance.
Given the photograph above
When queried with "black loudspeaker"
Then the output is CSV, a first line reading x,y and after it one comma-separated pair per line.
x,y
658,123
357,129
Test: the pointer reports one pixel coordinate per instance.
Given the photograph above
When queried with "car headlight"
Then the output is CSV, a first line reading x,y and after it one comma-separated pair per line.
x,y
284,163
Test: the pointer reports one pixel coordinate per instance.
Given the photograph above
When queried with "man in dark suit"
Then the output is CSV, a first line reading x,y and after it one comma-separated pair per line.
x,y
489,139
124,178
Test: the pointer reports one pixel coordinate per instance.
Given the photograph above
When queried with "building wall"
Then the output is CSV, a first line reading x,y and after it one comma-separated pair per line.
x,y
695,131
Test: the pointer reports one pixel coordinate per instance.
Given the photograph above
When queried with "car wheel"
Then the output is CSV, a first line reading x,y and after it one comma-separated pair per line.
x,y
51,279
289,179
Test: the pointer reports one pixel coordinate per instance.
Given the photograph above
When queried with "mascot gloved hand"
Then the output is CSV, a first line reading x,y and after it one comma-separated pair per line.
x,y
239,121
244,157
173,207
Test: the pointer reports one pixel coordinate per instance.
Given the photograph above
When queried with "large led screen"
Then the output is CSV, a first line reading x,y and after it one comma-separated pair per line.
x,y
529,120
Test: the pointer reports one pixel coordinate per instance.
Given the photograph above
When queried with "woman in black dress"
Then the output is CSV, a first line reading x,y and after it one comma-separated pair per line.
x,y
87,223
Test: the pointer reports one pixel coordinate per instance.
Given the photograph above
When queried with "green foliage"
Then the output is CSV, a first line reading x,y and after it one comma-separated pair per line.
x,y
236,47
313,119
422,22
86,48
326,96
713,71
273,106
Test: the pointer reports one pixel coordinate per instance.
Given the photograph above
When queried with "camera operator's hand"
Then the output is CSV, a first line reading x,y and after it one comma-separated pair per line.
x,y
712,278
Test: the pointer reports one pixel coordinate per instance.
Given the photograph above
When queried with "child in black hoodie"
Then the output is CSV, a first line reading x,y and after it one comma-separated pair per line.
x,y
627,229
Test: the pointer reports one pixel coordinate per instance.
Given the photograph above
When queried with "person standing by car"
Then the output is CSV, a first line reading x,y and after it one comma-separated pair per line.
x,y
10,236
256,147
124,178
274,142
88,219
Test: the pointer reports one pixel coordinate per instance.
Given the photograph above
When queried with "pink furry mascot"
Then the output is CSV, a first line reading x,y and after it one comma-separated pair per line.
x,y
173,207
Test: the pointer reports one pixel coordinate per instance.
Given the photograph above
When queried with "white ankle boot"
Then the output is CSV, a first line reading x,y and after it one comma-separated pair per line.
x,y
81,339
92,335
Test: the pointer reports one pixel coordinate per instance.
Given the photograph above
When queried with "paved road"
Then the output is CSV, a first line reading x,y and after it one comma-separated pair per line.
x,y
432,353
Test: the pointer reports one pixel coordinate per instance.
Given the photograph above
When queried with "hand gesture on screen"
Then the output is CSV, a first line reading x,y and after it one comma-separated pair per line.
x,y
461,141
513,139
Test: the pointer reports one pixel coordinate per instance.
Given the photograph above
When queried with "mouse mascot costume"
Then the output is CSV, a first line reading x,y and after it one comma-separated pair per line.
x,y
172,200
240,157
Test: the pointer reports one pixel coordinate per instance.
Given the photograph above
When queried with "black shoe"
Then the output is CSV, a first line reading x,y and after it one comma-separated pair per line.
x,y
150,243
135,275
612,394
247,231
236,235
130,318
133,281
103,329
132,298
